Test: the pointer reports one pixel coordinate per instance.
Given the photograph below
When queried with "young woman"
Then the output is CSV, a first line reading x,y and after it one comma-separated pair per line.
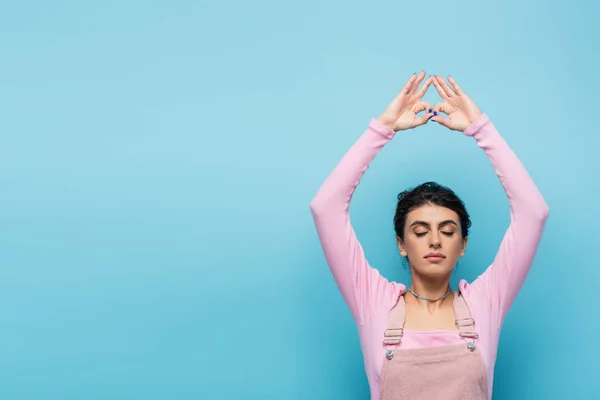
x,y
427,341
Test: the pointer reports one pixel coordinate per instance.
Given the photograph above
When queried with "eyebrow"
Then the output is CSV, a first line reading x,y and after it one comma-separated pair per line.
x,y
443,223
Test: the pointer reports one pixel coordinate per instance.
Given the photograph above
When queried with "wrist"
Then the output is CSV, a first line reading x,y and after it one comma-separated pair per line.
x,y
377,126
474,117
386,122
476,125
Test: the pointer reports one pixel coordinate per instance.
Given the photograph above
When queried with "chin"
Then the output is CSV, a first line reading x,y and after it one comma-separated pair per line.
x,y
437,269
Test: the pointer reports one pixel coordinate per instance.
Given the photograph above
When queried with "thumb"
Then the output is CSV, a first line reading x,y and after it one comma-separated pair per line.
x,y
447,122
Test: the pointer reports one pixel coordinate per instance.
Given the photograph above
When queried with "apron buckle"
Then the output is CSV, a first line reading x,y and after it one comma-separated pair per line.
x,y
389,354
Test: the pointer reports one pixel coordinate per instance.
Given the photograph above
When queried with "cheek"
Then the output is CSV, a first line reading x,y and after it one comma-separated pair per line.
x,y
456,244
412,244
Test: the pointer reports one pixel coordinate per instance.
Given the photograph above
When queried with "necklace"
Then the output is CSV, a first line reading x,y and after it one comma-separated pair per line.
x,y
425,298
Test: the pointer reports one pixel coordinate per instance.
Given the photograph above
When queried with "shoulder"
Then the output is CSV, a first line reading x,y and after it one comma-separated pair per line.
x,y
473,292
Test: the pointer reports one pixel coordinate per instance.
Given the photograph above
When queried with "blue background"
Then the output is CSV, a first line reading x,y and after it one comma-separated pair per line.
x,y
158,160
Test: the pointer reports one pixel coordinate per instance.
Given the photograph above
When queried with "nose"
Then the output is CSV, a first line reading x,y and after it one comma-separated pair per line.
x,y
435,242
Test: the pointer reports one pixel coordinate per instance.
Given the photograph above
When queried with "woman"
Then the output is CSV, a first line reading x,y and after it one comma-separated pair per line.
x,y
429,342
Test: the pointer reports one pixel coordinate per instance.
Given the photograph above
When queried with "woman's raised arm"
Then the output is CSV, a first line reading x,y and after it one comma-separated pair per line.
x,y
502,280
361,285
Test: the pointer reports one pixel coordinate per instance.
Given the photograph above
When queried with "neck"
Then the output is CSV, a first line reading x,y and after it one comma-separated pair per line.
x,y
429,289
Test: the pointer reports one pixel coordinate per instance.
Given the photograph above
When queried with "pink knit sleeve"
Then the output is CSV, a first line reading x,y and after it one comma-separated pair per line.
x,y
361,286
499,285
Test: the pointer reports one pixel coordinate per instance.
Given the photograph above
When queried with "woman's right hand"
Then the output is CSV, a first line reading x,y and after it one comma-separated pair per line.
x,y
401,113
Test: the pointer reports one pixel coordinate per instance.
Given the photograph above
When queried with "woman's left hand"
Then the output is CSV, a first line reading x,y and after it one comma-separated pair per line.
x,y
460,109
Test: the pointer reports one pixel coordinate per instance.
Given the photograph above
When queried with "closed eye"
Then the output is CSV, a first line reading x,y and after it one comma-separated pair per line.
x,y
419,234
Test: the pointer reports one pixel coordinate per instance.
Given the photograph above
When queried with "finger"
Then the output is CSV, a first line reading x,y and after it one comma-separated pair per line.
x,y
408,85
444,85
442,107
424,88
422,106
455,86
439,89
437,116
417,82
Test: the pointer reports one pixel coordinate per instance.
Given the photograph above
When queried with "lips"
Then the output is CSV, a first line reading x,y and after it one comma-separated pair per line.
x,y
435,255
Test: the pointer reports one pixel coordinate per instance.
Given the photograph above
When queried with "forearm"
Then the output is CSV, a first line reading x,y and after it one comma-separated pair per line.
x,y
525,200
337,190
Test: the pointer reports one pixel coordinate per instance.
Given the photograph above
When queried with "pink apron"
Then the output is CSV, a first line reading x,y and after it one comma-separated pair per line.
x,y
445,372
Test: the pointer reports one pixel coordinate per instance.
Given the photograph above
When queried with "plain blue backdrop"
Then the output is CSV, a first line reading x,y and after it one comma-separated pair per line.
x,y
158,160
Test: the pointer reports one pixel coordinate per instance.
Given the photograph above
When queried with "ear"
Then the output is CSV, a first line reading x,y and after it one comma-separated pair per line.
x,y
464,246
401,247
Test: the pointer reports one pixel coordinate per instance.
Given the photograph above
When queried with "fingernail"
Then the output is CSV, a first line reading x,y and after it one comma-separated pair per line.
x,y
429,110
435,113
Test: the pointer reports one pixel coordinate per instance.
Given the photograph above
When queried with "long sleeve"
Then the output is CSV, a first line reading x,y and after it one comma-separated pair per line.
x,y
502,280
361,286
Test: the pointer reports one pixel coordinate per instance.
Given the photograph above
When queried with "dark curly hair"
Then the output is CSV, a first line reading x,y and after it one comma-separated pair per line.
x,y
429,193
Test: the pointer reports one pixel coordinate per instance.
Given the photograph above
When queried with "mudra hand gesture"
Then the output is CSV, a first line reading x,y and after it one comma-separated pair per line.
x,y
402,112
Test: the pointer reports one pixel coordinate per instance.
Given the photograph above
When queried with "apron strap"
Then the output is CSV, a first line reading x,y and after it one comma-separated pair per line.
x,y
395,329
464,321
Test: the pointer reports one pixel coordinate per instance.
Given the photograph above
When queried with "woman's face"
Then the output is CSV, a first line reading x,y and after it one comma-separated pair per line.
x,y
432,240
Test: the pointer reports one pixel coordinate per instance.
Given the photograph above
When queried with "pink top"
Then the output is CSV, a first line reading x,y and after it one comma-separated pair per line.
x,y
370,296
